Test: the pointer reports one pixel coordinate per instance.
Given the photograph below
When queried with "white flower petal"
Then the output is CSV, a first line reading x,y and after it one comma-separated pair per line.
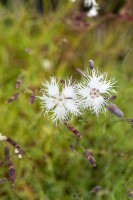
x,y
48,102
84,91
98,104
59,113
52,88
68,92
72,106
92,12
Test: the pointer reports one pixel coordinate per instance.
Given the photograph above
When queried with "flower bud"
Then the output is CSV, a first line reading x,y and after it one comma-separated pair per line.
x,y
115,110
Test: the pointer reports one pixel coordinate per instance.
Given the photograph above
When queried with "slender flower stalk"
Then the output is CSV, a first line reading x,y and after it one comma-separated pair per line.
x,y
59,100
93,89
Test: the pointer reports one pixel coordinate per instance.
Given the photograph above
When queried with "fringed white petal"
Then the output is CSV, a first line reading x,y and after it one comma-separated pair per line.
x,y
52,88
59,113
98,104
72,106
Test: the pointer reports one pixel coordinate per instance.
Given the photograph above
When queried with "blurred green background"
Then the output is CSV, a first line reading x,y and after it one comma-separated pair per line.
x,y
37,43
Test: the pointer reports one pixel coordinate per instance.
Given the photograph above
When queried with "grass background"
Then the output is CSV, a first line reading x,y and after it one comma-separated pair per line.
x,y
50,170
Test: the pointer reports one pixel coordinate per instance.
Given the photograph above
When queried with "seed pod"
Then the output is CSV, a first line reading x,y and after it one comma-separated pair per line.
x,y
12,98
12,173
115,110
91,64
90,158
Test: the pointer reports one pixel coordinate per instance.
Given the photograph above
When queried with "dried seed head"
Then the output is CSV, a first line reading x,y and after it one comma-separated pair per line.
x,y
90,158
115,110
91,64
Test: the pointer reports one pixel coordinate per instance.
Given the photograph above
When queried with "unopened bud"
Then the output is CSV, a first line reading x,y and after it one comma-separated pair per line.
x,y
32,98
115,110
73,130
12,173
112,97
90,158
91,64
12,98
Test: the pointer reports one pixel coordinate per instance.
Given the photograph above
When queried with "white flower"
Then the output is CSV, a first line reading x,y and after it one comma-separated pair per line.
x,y
93,11
60,100
2,137
94,90
88,3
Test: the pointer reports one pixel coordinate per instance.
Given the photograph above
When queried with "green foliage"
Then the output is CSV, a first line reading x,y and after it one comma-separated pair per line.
x,y
50,170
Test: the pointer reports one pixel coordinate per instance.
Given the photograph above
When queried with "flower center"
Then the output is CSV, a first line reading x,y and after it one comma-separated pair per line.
x,y
94,93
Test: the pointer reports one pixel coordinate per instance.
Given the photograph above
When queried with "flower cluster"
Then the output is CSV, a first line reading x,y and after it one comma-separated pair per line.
x,y
62,100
